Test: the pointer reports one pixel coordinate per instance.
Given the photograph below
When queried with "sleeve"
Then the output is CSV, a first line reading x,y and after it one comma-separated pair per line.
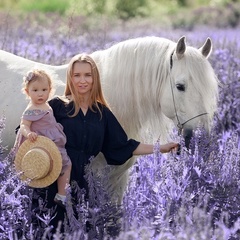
x,y
33,115
117,148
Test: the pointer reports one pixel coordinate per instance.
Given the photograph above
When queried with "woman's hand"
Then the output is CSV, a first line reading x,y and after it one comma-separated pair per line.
x,y
144,149
165,148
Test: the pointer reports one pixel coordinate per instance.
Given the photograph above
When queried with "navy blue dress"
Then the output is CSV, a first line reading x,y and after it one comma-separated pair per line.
x,y
86,137
89,134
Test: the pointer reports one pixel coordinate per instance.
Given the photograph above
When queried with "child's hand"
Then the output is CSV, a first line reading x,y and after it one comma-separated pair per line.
x,y
32,136
165,148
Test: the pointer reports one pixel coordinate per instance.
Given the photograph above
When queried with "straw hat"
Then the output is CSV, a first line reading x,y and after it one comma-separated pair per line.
x,y
39,163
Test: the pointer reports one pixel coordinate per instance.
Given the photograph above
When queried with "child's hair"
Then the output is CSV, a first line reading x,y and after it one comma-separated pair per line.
x,y
33,76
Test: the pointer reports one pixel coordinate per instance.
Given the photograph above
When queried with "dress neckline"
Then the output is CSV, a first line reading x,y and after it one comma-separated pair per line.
x,y
36,111
84,111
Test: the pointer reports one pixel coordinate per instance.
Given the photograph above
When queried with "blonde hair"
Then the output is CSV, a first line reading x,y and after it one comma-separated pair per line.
x,y
96,95
35,75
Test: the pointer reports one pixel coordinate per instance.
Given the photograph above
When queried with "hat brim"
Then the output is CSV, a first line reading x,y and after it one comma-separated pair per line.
x,y
51,148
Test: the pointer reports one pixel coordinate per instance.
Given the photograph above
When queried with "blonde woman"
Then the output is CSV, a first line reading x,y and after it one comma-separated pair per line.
x,y
89,124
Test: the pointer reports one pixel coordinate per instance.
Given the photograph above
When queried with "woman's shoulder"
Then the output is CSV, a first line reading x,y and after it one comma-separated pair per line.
x,y
107,112
57,101
60,106
103,108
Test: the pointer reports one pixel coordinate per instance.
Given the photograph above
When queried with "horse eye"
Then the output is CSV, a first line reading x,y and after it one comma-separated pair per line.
x,y
180,87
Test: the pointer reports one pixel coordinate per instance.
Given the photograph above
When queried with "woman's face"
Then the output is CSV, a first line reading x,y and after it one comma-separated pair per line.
x,y
82,78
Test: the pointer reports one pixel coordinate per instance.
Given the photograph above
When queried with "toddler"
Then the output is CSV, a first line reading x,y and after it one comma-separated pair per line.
x,y
38,119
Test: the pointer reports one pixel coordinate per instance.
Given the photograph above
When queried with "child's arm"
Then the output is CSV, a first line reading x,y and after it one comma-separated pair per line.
x,y
26,130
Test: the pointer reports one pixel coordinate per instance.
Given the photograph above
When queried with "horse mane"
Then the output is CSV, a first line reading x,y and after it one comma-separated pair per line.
x,y
141,67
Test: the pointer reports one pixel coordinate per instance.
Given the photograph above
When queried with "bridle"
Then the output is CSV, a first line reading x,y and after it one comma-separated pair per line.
x,y
179,124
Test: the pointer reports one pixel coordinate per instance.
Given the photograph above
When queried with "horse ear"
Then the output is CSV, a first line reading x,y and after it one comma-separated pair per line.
x,y
206,49
181,47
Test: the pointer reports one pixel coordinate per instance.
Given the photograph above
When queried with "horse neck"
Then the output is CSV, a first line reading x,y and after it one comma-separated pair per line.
x,y
133,75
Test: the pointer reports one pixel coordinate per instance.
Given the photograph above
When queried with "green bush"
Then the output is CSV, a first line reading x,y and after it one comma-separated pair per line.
x,y
126,9
227,15
59,6
88,7
179,13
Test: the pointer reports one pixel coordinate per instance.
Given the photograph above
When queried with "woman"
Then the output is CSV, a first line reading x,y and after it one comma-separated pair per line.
x,y
90,126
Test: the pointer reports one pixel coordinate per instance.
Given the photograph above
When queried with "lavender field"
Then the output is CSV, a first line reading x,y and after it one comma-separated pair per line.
x,y
194,195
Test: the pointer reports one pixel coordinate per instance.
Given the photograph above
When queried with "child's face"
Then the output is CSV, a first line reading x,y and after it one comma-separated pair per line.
x,y
38,91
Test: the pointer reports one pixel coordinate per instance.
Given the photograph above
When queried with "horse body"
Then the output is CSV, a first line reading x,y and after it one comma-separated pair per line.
x,y
150,83
13,101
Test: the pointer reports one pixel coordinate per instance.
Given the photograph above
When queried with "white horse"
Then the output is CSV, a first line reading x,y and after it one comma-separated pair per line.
x,y
150,83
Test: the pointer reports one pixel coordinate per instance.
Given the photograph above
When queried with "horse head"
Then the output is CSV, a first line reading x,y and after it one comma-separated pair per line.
x,y
190,95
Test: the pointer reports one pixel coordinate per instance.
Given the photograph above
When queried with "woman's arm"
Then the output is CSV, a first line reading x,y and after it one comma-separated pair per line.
x,y
144,149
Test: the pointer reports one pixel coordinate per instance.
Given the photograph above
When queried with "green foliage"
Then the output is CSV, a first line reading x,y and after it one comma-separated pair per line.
x,y
123,9
222,16
99,6
88,7
126,9
7,3
59,6
181,12
182,3
45,5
